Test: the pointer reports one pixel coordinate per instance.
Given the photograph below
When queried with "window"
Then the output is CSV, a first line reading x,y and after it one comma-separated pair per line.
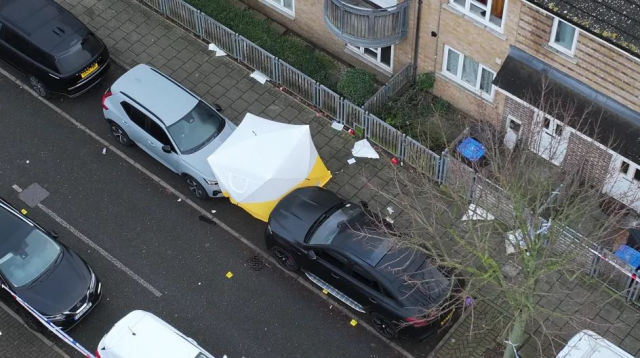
x,y
636,175
489,12
158,133
286,6
563,37
43,58
468,72
381,56
15,40
135,115
624,167
332,258
558,129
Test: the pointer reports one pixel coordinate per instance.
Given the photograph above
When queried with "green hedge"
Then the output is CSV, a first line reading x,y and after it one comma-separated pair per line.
x,y
357,85
290,49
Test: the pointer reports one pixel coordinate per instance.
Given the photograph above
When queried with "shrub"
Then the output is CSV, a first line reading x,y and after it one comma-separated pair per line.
x,y
425,81
357,85
441,106
290,49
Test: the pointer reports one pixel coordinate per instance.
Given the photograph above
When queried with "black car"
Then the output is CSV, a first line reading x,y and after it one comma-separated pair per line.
x,y
51,47
47,275
341,248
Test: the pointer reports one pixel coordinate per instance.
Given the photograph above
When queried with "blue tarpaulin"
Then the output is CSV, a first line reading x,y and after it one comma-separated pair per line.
x,y
471,149
628,254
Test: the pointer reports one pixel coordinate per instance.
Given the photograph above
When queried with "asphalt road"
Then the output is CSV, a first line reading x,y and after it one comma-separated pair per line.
x,y
254,314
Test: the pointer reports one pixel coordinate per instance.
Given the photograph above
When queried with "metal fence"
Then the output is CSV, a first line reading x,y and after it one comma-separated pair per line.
x,y
296,82
395,84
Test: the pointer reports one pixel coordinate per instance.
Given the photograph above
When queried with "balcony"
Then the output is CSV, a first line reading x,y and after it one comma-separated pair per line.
x,y
360,24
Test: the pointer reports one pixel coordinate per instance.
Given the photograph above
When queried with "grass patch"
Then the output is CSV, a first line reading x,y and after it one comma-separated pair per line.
x,y
426,118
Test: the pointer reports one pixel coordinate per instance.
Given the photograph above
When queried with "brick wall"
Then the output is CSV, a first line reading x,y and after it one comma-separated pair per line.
x,y
309,24
594,63
587,158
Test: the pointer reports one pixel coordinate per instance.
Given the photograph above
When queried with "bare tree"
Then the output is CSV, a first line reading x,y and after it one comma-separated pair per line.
x,y
509,225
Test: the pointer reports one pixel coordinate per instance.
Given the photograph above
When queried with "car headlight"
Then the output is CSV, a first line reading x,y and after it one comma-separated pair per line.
x,y
210,182
55,317
92,285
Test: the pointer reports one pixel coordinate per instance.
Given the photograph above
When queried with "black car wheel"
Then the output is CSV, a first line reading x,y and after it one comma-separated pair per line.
x,y
39,87
382,325
120,135
196,188
30,320
284,258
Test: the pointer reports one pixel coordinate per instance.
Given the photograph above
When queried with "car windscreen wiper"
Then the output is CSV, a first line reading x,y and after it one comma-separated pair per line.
x,y
321,219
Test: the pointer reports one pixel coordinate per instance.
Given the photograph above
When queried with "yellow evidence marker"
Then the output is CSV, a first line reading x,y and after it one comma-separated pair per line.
x,y
229,274
24,212
353,322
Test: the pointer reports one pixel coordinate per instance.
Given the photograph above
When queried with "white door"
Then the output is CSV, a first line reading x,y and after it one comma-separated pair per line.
x,y
623,182
513,132
552,143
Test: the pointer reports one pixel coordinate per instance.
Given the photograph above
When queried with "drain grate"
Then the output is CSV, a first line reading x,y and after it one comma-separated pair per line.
x,y
256,263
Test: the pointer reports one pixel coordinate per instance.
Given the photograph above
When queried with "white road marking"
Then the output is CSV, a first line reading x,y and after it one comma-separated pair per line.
x,y
95,246
224,226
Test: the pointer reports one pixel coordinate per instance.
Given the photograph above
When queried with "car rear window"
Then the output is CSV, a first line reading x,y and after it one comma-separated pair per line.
x,y
79,55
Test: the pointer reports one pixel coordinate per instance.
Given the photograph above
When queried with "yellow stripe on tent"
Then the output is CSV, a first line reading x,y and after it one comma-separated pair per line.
x,y
318,176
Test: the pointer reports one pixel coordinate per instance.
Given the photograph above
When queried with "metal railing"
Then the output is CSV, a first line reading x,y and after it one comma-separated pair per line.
x,y
395,84
364,27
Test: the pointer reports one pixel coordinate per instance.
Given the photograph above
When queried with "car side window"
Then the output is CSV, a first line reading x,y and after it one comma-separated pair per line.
x,y
135,115
43,58
363,277
332,258
15,40
158,133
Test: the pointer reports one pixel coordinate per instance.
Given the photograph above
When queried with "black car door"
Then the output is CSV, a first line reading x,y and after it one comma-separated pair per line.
x,y
367,291
15,49
330,267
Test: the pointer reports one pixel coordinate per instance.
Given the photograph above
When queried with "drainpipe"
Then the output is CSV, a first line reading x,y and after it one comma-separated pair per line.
x,y
416,39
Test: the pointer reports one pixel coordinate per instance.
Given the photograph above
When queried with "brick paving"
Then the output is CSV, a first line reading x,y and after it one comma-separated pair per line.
x,y
17,341
136,34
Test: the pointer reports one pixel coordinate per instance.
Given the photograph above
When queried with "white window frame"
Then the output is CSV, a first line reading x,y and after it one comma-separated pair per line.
x,y
279,5
486,20
377,62
552,43
457,77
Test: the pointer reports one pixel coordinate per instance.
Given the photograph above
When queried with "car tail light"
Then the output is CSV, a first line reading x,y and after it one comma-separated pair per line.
x,y
105,96
422,321
97,354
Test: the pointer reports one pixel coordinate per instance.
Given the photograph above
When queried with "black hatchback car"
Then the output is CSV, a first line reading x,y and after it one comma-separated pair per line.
x,y
337,245
51,47
47,275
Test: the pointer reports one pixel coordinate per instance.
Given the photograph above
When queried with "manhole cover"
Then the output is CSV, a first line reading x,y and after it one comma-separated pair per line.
x,y
255,263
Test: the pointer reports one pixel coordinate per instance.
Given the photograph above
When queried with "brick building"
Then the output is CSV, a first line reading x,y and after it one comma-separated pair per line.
x,y
561,76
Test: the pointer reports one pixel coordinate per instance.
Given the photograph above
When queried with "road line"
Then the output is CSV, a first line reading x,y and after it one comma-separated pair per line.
x,y
203,211
95,246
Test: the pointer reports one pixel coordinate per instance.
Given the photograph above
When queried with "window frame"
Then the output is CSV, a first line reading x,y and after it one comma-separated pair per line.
x,y
457,77
487,19
279,5
378,50
150,123
146,117
554,28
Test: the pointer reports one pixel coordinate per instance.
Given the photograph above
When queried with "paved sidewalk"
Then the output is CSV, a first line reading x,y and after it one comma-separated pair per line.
x,y
17,341
136,34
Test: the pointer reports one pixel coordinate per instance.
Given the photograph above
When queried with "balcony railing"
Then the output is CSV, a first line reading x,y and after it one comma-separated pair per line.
x,y
359,26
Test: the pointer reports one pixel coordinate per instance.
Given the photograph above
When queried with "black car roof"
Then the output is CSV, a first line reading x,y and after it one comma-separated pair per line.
x,y
44,22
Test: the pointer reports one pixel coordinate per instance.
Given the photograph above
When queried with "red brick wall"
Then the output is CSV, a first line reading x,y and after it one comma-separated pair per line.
x,y
588,158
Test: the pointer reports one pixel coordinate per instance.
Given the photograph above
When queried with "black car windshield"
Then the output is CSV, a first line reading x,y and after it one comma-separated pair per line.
x,y
78,54
26,256
197,128
336,223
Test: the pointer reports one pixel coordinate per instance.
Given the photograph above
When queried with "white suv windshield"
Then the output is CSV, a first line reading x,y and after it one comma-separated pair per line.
x,y
25,258
197,128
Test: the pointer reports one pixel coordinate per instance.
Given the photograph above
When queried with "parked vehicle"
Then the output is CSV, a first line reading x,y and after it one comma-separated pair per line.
x,y
50,46
46,274
141,334
339,248
588,344
173,125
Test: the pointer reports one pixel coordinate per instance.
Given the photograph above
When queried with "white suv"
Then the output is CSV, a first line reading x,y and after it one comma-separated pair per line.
x,y
170,123
141,334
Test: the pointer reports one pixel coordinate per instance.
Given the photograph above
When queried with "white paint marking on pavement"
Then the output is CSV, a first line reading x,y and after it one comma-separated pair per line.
x,y
95,246
201,210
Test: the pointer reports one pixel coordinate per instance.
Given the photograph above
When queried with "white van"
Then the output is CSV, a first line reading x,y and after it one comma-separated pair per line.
x,y
140,334
587,344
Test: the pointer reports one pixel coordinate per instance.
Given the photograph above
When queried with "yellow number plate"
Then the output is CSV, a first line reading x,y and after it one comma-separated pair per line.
x,y
446,319
89,70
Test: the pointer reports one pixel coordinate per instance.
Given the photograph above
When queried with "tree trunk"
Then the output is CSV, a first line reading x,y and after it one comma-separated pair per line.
x,y
516,336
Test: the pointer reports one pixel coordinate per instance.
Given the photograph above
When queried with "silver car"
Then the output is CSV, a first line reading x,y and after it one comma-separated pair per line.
x,y
173,125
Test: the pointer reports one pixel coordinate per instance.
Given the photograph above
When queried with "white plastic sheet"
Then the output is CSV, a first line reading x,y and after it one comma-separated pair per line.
x,y
363,149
